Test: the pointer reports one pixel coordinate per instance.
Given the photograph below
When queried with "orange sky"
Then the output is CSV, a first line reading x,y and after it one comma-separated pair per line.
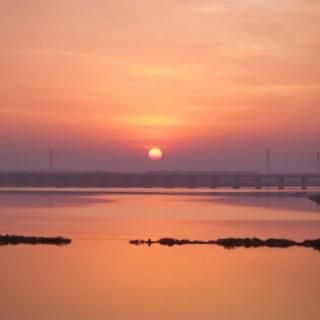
x,y
127,75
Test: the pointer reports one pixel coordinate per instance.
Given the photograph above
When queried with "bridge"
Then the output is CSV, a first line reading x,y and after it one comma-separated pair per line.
x,y
163,179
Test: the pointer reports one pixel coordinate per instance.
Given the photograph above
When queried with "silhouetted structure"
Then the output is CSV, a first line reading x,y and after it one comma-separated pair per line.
x,y
161,179
231,243
51,159
267,161
315,198
26,163
15,240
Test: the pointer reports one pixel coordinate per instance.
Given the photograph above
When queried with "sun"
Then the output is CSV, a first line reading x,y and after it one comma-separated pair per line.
x,y
155,154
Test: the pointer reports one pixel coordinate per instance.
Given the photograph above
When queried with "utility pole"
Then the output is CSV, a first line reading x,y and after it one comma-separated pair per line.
x,y
51,159
26,163
267,161
15,164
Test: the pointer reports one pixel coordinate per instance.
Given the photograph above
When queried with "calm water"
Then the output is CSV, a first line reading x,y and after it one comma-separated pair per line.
x,y
101,276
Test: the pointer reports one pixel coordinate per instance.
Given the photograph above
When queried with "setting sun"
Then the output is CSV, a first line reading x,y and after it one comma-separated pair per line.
x,y
155,154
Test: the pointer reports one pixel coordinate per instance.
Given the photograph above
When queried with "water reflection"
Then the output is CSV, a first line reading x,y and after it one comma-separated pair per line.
x,y
48,199
272,201
100,276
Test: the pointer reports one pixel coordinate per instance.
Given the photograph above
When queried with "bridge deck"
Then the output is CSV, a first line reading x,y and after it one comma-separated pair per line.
x,y
168,180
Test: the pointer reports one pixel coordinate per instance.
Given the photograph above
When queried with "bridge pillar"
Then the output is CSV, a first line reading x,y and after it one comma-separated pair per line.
x,y
101,181
147,182
128,181
83,181
23,181
62,181
236,182
191,182
281,183
169,182
258,182
304,183
214,182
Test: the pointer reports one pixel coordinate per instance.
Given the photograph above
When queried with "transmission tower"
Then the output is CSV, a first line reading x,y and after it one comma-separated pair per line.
x,y
267,161
51,159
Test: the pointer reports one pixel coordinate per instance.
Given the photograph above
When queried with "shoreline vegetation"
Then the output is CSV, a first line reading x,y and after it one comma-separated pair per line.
x,y
232,243
16,240
315,198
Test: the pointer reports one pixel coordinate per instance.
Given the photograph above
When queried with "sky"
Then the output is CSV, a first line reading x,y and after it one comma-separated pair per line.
x,y
212,83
